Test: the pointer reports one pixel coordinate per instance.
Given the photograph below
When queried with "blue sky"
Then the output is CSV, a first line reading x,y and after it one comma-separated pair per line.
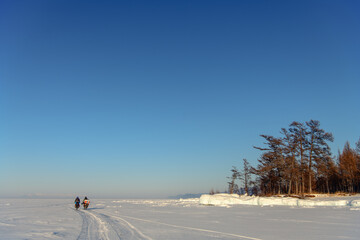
x,y
158,98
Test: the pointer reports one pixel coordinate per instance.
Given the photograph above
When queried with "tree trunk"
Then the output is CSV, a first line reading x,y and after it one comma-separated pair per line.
x,y
327,185
289,190
302,184
310,162
310,190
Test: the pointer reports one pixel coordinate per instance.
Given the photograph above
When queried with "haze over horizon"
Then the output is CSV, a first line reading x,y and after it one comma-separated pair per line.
x,y
143,99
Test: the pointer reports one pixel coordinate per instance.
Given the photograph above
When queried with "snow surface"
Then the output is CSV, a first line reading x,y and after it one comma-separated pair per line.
x,y
241,218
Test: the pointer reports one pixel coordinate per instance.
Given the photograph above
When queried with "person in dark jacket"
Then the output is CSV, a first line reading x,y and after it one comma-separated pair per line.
x,y
77,202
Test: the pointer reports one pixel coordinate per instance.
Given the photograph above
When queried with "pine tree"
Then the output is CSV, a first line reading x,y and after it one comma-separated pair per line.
x,y
233,187
301,160
348,167
292,168
246,174
358,147
299,133
318,149
271,165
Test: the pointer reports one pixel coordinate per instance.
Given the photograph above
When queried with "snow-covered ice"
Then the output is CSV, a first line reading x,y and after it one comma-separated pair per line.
x,y
257,218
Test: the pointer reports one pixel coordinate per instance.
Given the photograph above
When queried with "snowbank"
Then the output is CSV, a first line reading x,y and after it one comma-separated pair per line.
x,y
234,199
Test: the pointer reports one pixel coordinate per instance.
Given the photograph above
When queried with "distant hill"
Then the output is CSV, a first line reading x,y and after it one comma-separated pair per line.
x,y
187,195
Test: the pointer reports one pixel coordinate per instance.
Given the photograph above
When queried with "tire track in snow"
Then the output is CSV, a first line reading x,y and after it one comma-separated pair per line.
x,y
124,229
194,229
84,227
93,228
100,226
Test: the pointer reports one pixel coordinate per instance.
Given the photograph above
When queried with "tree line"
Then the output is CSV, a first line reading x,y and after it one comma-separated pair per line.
x,y
299,161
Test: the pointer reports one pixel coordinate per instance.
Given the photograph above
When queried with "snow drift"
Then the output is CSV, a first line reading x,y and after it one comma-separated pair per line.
x,y
234,199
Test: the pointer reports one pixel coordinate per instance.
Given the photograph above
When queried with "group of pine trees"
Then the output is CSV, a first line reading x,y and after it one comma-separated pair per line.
x,y
300,161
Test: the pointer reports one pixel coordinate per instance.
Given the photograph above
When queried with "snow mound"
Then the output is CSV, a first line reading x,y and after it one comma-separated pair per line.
x,y
355,203
234,199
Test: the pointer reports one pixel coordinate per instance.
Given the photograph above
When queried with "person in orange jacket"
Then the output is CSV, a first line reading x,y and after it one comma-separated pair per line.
x,y
86,203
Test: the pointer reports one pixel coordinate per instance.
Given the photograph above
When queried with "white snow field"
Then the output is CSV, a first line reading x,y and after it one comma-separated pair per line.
x,y
259,218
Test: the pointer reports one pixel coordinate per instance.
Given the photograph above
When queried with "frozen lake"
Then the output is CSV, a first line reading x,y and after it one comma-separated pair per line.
x,y
172,219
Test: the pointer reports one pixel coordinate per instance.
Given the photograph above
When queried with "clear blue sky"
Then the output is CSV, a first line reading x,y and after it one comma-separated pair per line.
x,y
156,98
